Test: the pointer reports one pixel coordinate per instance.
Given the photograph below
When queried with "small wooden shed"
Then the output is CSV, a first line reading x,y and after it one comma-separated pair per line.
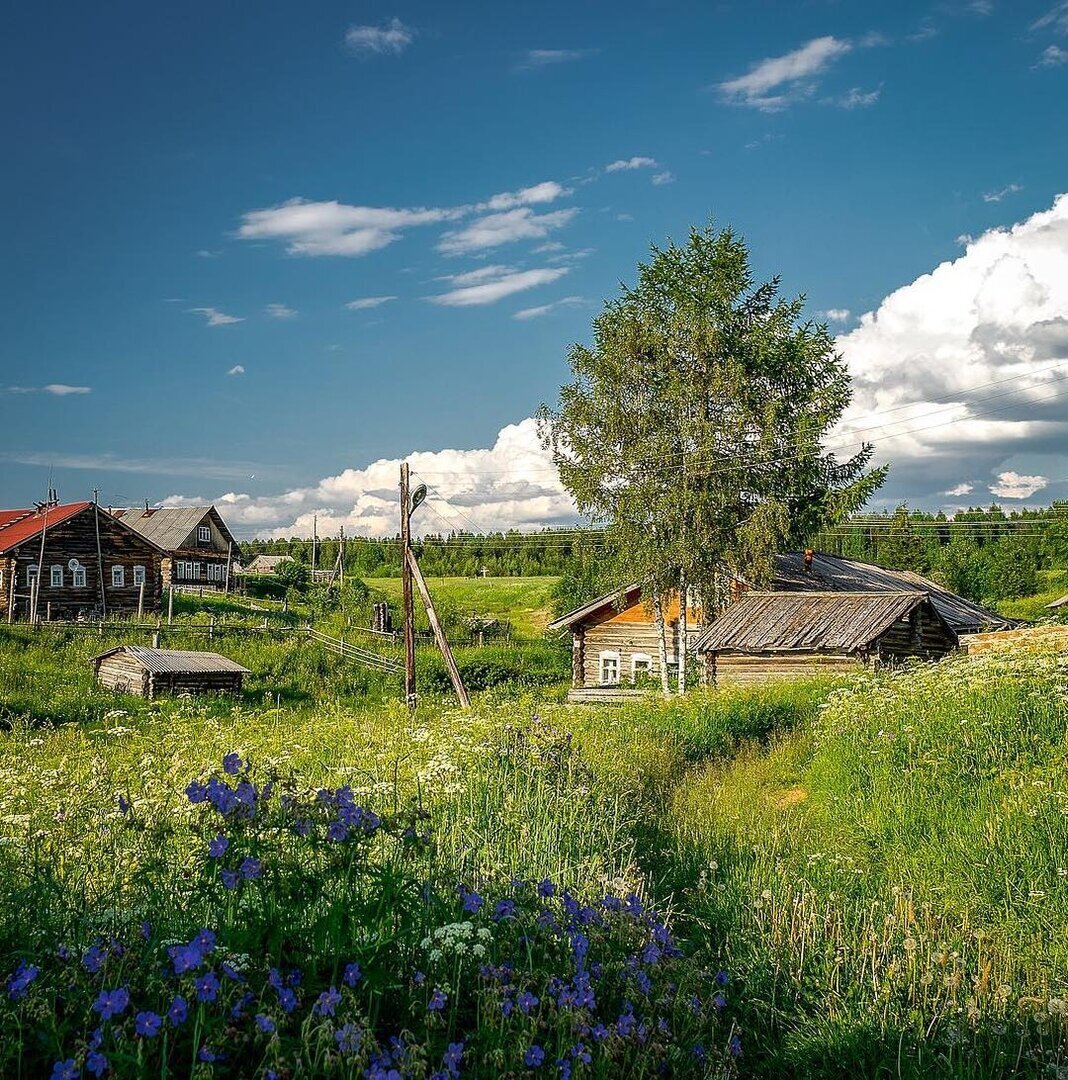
x,y
135,669
780,635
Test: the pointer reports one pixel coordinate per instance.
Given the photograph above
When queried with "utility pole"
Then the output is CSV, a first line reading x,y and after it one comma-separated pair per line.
x,y
406,579
315,538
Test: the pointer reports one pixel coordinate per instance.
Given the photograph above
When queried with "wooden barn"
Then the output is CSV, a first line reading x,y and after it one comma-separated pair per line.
x,y
767,635
198,549
134,669
74,560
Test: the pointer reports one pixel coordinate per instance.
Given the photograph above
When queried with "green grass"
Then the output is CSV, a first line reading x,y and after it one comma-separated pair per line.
x,y
1054,584
524,602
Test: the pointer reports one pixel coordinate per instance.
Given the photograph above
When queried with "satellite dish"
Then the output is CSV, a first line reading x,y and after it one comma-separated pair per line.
x,y
74,565
418,496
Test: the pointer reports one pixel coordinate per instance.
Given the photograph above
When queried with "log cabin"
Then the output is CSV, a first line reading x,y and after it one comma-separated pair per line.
x,y
74,561
135,669
614,638
198,548
769,635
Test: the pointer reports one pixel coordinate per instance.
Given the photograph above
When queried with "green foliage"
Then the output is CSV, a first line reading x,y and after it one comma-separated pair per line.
x,y
292,574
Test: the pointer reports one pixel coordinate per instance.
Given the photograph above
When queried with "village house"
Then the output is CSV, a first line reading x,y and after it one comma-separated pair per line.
x,y
615,642
266,564
74,561
198,549
135,669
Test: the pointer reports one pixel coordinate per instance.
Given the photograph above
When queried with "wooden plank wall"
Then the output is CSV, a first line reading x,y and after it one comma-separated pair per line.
x,y
733,669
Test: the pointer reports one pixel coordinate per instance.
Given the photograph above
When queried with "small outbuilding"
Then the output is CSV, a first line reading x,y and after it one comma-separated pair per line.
x,y
775,635
135,669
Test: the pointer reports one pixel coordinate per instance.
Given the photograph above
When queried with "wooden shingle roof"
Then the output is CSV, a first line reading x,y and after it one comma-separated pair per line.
x,y
174,661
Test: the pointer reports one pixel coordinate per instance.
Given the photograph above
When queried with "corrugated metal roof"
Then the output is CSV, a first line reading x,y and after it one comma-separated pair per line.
x,y
174,661
834,574
168,527
811,621
17,526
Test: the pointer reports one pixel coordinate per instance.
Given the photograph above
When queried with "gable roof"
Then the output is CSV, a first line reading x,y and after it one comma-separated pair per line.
x,y
169,527
581,613
268,562
832,573
807,621
18,526
175,661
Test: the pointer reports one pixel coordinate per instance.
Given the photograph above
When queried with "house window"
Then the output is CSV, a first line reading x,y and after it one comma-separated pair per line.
x,y
215,572
118,576
139,575
204,534
609,668
194,571
55,576
641,666
79,577
31,574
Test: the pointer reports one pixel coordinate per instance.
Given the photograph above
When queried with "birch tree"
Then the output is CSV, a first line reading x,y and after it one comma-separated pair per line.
x,y
694,424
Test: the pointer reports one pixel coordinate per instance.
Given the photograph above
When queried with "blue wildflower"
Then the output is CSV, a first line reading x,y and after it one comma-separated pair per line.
x,y
328,1002
251,868
94,958
229,879
287,1000
146,930
65,1070
419,978
526,1001
719,1002
19,982
205,940
231,972
232,764
438,1001
505,909
111,1003
352,974
196,792
96,1063
348,1038
147,1024
599,1033
735,1046
722,978
96,1040
450,1060
208,1055
337,833
217,847
580,1053
264,1023
178,1011
124,805
472,902
207,986
534,1057
546,888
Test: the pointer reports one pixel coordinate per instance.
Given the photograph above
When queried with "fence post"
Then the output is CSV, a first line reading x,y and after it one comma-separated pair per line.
x,y
211,627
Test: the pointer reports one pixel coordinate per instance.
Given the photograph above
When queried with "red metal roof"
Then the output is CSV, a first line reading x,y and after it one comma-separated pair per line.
x,y
17,526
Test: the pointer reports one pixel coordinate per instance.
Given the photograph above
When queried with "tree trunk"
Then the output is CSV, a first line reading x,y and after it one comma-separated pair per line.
x,y
682,632
661,638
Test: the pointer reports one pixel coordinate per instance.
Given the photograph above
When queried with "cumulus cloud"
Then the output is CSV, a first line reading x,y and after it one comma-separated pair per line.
x,y
836,314
389,38
1052,56
237,369
629,164
492,230
367,302
665,177
1011,485
775,82
960,489
534,59
545,192
280,311
489,284
969,362
1001,193
215,317
511,484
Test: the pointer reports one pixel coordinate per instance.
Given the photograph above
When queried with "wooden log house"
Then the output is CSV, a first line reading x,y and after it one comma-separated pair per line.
x,y
134,669
74,561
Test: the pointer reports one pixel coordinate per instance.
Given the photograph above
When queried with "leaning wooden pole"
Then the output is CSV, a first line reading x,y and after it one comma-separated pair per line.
x,y
406,579
439,634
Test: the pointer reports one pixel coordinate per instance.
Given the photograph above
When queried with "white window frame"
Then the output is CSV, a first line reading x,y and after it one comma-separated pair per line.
x,y
52,575
118,577
78,577
31,574
640,658
138,575
203,534
612,657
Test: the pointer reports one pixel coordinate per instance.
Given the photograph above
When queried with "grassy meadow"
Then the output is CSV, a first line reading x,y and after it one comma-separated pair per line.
x,y
811,879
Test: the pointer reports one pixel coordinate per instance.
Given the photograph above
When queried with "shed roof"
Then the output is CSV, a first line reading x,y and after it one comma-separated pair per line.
x,y
580,613
18,526
174,661
1061,601
168,527
807,622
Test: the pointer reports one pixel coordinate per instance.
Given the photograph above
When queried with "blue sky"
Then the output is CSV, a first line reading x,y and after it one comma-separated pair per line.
x,y
204,204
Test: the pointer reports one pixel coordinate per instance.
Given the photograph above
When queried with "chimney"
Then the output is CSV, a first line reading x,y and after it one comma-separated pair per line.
x,y
809,553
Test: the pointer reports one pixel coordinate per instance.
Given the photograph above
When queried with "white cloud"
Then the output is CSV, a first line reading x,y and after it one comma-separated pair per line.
x,y
774,83
334,228
1052,56
492,230
367,302
665,177
280,311
205,254
237,369
534,59
856,98
545,309
511,484
628,164
1001,193
836,314
968,362
1054,20
1011,485
960,489
55,389
214,317
545,192
392,37
492,283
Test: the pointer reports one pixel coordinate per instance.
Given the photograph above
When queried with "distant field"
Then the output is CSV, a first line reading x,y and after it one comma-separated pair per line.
x,y
525,602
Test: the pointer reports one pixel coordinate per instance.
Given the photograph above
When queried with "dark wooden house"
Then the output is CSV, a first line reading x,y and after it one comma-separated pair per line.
x,y
72,561
134,669
198,549
767,635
